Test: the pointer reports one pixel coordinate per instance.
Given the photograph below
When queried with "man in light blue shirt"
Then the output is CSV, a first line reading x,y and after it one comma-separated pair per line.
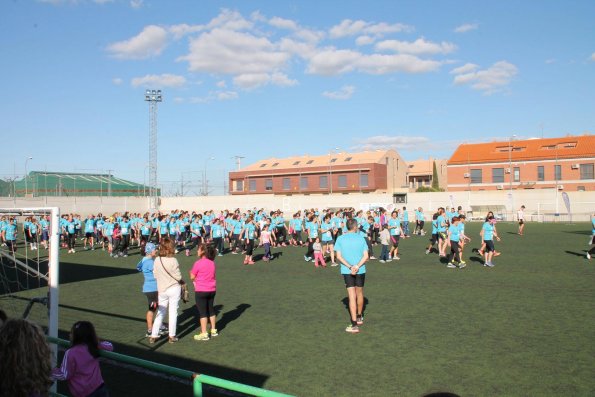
x,y
352,254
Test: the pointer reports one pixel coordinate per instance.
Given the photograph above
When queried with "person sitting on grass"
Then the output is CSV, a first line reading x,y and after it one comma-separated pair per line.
x,y
203,275
80,365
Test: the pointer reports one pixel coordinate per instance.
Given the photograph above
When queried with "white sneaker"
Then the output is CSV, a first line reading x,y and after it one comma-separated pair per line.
x,y
382,261
396,258
451,265
588,256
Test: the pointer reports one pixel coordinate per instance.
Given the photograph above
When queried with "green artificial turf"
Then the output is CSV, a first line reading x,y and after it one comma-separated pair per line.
x,y
523,328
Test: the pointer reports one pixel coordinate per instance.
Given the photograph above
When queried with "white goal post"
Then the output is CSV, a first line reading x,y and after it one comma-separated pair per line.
x,y
52,276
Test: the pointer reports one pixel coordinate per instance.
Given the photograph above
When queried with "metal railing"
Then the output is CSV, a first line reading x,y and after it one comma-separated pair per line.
x,y
198,380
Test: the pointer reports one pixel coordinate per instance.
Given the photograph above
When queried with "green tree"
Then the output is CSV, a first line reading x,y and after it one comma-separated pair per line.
x,y
435,182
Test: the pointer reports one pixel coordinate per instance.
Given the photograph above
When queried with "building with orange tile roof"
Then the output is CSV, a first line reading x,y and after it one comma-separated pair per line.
x,y
379,171
421,173
565,163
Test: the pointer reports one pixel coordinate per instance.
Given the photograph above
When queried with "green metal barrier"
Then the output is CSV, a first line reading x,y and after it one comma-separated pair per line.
x,y
198,380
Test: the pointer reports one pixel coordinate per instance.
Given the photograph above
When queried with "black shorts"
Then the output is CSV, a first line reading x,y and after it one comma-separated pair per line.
x,y
434,238
354,281
88,234
489,245
441,236
152,300
204,303
395,241
593,240
521,221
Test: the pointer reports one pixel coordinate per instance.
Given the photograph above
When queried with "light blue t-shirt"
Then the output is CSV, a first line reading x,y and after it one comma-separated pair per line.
x,y
217,230
441,224
312,230
488,231
395,224
125,228
326,231
89,225
454,233
146,267
249,231
352,247
11,232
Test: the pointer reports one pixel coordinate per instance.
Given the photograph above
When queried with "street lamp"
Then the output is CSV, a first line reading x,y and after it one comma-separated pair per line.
x,y
204,179
330,169
26,160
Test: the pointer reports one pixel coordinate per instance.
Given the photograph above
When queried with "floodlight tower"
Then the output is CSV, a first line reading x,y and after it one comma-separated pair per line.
x,y
153,97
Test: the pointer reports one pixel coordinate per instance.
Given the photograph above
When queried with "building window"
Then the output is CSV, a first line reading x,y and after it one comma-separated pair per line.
x,y
343,181
363,180
540,173
263,165
348,159
252,185
587,171
497,175
310,161
323,182
517,174
268,184
296,162
239,186
333,160
476,176
558,172
275,164
304,182
580,188
286,184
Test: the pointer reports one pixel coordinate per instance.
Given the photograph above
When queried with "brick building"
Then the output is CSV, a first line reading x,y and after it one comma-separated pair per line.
x,y
370,171
421,173
565,163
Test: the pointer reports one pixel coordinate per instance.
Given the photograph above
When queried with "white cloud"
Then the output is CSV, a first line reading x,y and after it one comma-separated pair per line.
x,y
364,40
386,142
490,80
550,61
347,27
417,47
136,4
103,1
282,23
159,81
466,27
221,84
332,61
344,93
227,95
304,50
258,17
309,35
230,20
466,68
148,43
231,52
184,29
117,81
253,80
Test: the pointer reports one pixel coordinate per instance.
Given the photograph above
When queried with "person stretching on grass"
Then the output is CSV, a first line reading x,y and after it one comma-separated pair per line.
x,y
352,254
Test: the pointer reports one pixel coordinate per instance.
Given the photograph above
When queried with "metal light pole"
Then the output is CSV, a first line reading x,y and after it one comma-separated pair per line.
x,y
153,97
511,173
26,160
204,179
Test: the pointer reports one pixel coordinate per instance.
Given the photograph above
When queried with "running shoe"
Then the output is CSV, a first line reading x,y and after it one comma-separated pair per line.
x,y
148,334
352,329
214,332
360,320
334,264
382,261
173,339
451,265
462,264
202,337
427,252
219,254
396,258
389,260
588,256
372,257
489,264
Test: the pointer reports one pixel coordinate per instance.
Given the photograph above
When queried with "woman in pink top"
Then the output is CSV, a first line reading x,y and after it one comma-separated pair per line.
x,y
80,365
205,286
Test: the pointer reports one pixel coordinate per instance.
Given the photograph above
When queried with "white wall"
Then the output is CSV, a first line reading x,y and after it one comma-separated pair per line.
x,y
537,202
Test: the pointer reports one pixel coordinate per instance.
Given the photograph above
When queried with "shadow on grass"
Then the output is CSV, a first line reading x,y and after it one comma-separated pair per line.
x,y
345,302
582,254
583,232
476,259
75,272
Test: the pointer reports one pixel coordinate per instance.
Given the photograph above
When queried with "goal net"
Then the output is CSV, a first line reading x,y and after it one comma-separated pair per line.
x,y
29,261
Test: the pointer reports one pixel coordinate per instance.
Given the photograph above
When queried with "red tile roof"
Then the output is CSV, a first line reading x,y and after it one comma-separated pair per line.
x,y
526,150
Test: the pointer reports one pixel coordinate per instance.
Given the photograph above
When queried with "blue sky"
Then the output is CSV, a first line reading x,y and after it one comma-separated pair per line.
x,y
264,79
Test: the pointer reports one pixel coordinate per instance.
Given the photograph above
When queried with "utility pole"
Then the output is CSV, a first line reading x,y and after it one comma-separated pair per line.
x,y
153,97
